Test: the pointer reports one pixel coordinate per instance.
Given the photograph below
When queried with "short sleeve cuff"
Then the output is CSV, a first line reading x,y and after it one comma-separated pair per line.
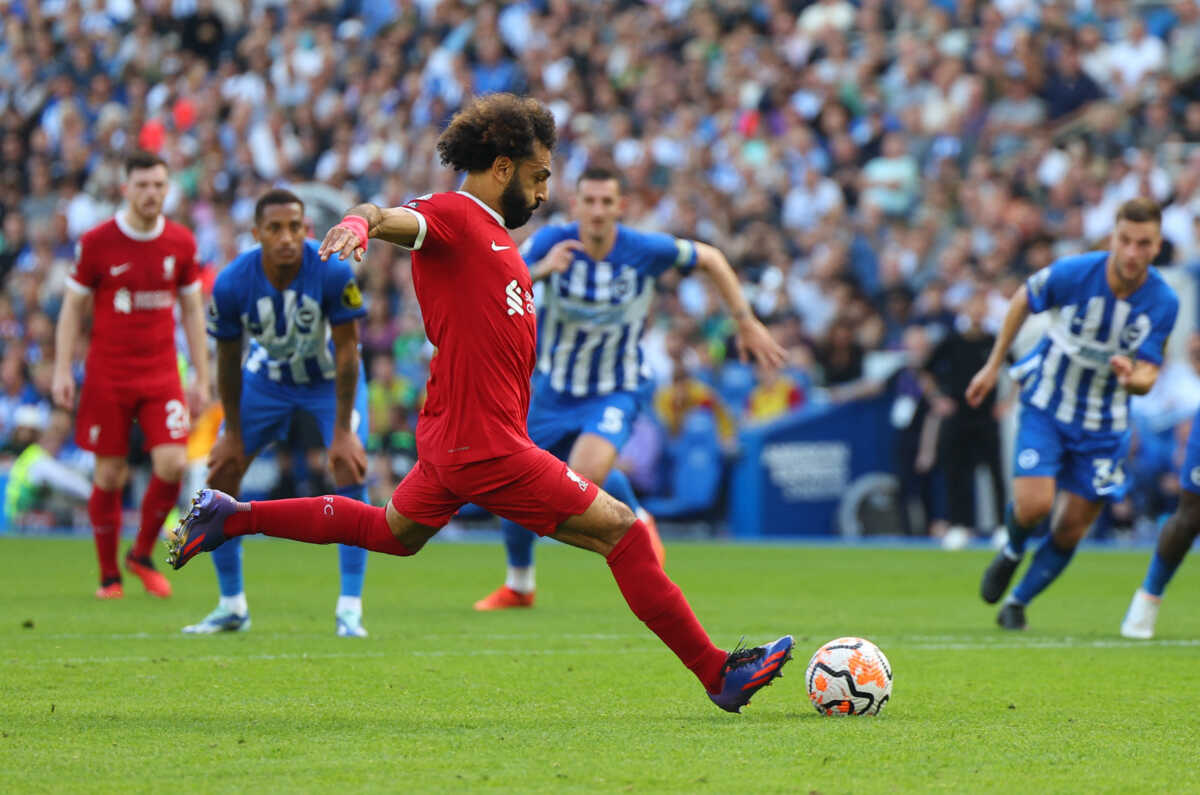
x,y
685,257
189,289
76,287
422,227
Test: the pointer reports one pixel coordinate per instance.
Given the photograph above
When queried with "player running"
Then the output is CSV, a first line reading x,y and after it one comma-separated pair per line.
x,y
590,382
476,298
1112,315
133,268
301,314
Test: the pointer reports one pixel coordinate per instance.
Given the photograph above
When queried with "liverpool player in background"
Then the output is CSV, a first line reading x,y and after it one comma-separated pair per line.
x,y
133,268
476,299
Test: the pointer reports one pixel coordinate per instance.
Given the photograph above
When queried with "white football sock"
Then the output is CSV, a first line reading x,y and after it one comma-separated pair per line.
x,y
353,603
520,579
235,604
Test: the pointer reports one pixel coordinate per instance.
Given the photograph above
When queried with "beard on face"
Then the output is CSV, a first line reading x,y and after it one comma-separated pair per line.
x,y
512,205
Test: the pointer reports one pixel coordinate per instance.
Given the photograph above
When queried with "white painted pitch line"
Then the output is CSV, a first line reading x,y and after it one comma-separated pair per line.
x,y
646,647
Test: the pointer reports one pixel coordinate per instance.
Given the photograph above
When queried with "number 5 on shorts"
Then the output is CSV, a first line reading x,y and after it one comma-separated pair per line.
x,y
612,421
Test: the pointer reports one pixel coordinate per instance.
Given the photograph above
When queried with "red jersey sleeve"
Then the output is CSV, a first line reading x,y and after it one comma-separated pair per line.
x,y
85,275
434,219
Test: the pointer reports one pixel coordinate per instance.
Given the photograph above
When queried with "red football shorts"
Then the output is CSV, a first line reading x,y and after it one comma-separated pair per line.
x,y
107,410
532,488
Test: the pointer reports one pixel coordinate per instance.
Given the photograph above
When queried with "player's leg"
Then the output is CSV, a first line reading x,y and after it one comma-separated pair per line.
x,y
102,426
545,495
1071,524
104,511
264,419
1038,456
232,613
418,509
1174,541
163,417
167,463
352,560
591,456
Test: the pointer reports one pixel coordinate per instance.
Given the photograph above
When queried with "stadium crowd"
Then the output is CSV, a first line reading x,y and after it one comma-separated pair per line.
x,y
868,167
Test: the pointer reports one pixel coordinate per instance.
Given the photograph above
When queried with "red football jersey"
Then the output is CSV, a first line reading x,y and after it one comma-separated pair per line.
x,y
134,278
476,299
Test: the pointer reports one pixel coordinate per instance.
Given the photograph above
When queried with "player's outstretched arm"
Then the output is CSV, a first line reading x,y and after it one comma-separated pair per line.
x,y
362,222
66,334
347,459
985,380
753,339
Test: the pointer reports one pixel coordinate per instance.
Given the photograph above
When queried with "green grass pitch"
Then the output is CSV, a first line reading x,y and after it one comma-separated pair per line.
x,y
576,695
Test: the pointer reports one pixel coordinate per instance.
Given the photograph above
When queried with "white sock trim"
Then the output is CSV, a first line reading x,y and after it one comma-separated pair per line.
x,y
521,579
353,603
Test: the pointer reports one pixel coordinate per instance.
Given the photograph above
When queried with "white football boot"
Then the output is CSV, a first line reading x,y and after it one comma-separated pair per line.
x,y
1140,618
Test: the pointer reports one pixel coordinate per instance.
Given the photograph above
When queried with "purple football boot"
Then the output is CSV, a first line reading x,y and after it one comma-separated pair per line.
x,y
201,530
748,670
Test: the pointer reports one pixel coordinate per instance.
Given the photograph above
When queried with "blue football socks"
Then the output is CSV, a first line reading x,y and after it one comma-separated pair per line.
x,y
1158,575
1048,562
352,561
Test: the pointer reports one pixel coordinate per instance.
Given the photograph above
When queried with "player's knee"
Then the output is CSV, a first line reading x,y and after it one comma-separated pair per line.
x,y
109,476
1032,509
1189,514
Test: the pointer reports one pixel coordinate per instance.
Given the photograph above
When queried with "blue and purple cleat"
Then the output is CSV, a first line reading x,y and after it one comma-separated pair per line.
x,y
202,529
749,670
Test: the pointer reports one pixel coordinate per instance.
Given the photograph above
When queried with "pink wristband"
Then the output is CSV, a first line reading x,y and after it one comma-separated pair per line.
x,y
358,225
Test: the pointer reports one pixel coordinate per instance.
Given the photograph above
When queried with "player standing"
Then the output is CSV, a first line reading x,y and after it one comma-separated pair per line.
x,y
590,382
301,314
133,267
476,300
1112,316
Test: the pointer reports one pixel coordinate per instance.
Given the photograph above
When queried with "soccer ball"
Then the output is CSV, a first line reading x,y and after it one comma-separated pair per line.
x,y
849,676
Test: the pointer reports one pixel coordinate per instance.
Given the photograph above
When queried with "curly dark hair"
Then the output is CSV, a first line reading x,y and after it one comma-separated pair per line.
x,y
495,125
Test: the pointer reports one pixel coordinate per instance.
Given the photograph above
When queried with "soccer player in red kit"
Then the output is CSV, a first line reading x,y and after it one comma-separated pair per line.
x,y
476,299
132,268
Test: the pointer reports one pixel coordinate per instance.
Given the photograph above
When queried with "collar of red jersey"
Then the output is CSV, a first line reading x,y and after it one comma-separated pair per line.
x,y
134,234
499,218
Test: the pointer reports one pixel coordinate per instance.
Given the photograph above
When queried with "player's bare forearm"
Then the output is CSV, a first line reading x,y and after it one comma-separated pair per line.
x,y
191,306
345,357
716,267
390,224
229,384
1018,311
66,333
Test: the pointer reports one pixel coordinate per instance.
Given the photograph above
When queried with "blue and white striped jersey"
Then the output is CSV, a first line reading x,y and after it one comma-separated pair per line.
x,y
593,314
1067,373
290,340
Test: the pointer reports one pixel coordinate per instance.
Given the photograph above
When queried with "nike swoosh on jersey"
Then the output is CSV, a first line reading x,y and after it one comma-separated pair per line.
x,y
499,248
117,270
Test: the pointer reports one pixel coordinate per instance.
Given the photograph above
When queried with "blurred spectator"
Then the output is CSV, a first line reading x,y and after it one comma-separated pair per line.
x,y
38,482
968,437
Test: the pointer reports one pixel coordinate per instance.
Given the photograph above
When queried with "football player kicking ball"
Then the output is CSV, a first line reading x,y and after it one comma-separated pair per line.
x,y
590,385
133,268
302,317
472,441
1112,316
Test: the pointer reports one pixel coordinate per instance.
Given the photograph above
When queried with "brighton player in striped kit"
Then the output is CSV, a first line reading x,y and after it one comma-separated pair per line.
x,y
1112,314
590,382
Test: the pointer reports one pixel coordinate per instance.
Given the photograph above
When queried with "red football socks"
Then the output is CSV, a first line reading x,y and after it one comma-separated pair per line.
x,y
661,605
319,520
159,500
104,510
